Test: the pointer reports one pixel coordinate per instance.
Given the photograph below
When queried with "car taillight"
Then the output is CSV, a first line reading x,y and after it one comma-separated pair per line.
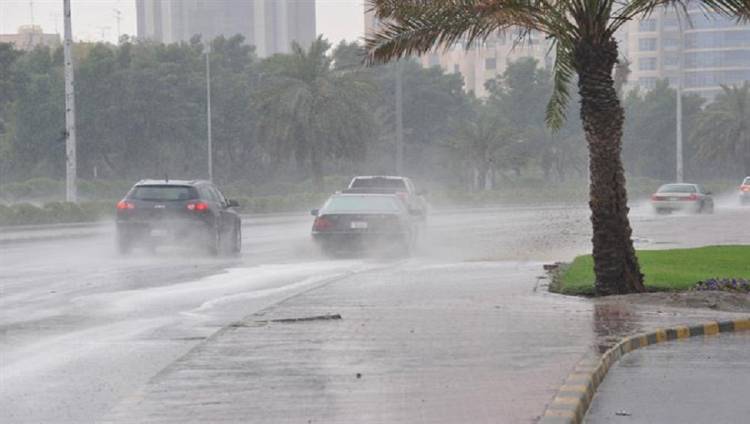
x,y
692,197
197,207
123,205
402,194
655,197
322,223
745,188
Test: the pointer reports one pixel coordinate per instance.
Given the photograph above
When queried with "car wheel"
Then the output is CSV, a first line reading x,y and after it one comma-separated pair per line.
x,y
214,242
708,207
237,244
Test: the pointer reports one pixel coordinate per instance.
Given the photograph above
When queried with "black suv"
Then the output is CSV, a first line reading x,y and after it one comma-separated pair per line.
x,y
179,212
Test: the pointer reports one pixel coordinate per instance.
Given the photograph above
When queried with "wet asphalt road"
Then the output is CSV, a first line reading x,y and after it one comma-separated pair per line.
x,y
84,333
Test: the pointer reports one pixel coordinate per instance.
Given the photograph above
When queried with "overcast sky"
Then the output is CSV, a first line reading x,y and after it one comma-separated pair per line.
x,y
95,20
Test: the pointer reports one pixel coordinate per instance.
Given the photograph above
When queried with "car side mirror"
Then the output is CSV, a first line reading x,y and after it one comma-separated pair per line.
x,y
315,212
709,192
231,203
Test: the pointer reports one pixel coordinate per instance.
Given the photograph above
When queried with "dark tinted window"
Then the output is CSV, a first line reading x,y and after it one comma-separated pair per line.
x,y
677,188
163,193
378,183
362,204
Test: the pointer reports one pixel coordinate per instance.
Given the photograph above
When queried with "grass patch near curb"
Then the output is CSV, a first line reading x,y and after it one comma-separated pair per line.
x,y
666,270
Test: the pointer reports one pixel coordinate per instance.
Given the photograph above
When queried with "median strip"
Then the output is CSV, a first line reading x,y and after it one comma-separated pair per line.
x,y
572,401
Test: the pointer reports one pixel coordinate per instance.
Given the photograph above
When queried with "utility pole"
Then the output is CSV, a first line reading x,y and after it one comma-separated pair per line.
x,y
71,191
208,112
399,119
679,171
118,17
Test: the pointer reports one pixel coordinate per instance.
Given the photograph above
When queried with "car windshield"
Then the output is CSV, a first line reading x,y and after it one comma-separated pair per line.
x,y
747,181
677,188
163,193
338,204
378,183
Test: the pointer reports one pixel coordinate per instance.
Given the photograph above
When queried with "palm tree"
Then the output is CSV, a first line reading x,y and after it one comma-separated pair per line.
x,y
486,143
311,111
723,131
583,35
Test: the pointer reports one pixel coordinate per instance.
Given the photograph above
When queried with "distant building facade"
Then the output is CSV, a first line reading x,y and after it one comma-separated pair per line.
x,y
29,37
490,58
270,25
704,51
482,61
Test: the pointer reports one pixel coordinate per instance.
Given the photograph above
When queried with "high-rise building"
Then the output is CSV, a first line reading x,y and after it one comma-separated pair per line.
x,y
702,50
490,58
30,36
483,61
270,25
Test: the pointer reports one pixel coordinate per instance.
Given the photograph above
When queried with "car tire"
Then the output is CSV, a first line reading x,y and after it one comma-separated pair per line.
x,y
214,242
708,208
237,240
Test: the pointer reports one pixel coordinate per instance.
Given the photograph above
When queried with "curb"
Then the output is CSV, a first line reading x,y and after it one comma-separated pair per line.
x,y
574,397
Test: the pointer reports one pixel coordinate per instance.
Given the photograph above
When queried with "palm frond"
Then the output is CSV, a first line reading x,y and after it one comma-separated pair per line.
x,y
415,27
563,73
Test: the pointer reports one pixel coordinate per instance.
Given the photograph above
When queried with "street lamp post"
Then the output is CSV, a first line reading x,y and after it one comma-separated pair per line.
x,y
71,192
399,119
208,113
679,171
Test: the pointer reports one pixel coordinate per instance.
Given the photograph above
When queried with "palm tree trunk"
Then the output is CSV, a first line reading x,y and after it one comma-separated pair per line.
x,y
615,264
316,169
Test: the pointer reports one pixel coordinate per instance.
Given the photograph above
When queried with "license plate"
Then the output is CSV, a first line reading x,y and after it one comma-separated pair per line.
x,y
158,233
674,198
358,225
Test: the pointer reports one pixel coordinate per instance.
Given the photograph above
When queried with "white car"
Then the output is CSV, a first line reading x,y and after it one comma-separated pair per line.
x,y
682,197
745,191
403,187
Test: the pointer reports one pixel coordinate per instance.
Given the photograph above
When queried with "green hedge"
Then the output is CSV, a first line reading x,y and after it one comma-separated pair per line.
x,y
46,189
287,203
53,213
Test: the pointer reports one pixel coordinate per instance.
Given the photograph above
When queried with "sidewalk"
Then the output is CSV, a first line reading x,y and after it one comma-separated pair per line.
x,y
693,381
418,343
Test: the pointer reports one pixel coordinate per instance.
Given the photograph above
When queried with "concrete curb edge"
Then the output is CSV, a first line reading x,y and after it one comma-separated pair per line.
x,y
574,397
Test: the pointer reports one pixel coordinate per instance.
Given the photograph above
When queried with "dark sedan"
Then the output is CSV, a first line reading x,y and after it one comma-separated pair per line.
x,y
191,213
364,222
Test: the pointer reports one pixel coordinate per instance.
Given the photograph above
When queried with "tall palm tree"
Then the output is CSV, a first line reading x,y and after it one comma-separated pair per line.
x,y
583,34
486,143
311,111
723,129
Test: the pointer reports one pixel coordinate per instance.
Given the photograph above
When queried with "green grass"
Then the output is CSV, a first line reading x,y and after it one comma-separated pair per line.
x,y
667,270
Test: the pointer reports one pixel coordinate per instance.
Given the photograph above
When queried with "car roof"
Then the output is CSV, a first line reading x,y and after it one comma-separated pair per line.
x,y
339,194
687,184
387,177
171,182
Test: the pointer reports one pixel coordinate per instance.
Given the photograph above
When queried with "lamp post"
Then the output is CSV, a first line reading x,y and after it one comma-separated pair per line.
x,y
71,192
208,113
399,119
679,171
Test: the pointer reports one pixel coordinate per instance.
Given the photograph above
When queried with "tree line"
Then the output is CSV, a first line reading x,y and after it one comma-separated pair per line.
x,y
318,111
